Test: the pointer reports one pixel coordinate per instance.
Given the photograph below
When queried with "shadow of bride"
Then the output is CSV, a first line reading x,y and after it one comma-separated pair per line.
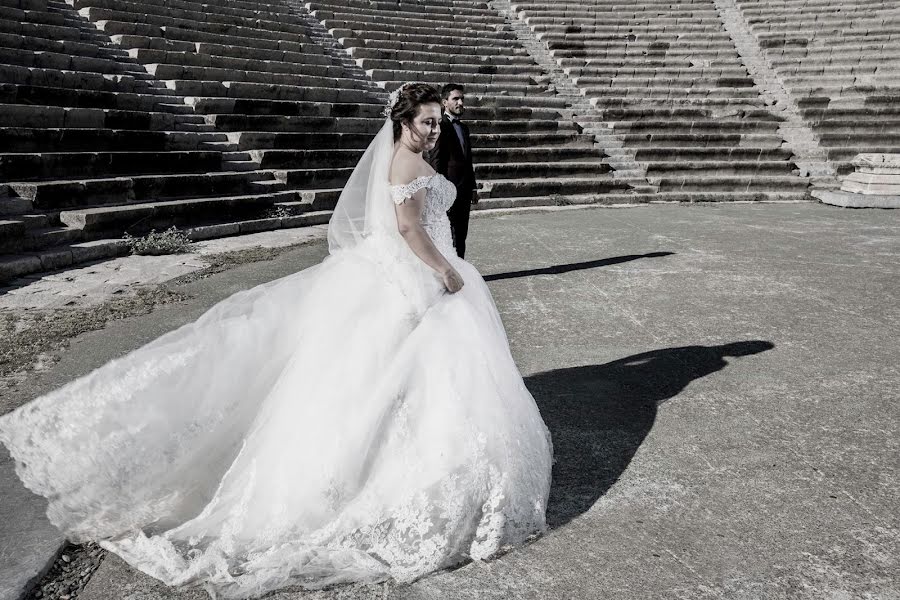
x,y
589,264
599,415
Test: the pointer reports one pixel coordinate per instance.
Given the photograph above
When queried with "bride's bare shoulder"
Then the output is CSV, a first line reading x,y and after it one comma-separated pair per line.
x,y
407,167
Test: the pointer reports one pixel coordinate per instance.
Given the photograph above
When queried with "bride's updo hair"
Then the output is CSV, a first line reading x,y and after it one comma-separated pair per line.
x,y
410,97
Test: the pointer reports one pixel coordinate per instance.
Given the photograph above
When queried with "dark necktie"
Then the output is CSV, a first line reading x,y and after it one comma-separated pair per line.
x,y
457,126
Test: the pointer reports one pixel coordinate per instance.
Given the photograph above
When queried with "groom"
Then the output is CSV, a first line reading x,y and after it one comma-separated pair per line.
x,y
452,158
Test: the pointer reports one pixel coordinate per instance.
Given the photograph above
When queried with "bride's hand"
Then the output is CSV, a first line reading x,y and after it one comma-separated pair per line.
x,y
452,280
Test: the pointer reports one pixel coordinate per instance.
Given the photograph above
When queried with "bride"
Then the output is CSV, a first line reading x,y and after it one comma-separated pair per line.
x,y
356,421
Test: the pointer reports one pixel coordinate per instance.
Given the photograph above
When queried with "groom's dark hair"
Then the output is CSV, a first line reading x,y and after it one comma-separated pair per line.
x,y
450,88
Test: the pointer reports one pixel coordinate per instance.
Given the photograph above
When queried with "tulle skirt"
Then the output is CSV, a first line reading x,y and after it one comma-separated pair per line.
x,y
321,428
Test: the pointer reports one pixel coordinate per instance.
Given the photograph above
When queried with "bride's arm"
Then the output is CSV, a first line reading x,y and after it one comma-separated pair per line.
x,y
409,223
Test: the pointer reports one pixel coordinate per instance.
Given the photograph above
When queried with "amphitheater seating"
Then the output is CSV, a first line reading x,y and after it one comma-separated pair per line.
x,y
665,77
523,147
231,116
123,116
841,61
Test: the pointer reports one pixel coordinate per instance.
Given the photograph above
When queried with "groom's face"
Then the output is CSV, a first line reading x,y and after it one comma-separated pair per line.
x,y
455,103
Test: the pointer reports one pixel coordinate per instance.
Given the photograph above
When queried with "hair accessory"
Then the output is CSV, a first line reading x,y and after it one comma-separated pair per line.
x,y
393,98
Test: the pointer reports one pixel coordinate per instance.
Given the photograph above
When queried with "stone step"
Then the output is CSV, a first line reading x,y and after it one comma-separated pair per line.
x,y
714,168
839,126
651,93
475,83
188,9
306,159
129,28
203,23
58,46
703,140
546,186
259,107
641,14
52,78
313,178
317,68
263,91
25,139
638,61
701,34
448,57
387,44
317,200
419,30
686,197
166,72
710,153
690,126
31,16
726,183
723,104
36,95
882,138
522,139
17,26
497,99
487,126
276,125
531,170
649,47
140,218
51,237
62,165
321,140
535,154
484,68
21,115
659,80
61,194
588,74
847,153
679,113
39,5
486,24
641,57
201,50
59,61
401,8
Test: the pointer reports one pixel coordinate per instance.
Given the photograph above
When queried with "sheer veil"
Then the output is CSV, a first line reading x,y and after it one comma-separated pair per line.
x,y
365,205
365,221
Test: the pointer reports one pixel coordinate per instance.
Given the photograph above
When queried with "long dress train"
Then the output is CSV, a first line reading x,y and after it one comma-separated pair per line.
x,y
349,422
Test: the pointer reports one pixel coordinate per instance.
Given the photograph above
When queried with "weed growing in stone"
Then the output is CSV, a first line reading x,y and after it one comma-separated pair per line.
x,y
170,241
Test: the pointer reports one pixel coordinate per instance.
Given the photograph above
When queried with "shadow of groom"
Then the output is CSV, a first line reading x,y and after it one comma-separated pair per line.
x,y
600,414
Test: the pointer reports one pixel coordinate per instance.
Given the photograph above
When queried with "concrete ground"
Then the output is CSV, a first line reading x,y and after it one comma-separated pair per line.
x,y
722,387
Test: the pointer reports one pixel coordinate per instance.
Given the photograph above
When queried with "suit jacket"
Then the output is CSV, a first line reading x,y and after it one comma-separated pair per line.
x,y
449,160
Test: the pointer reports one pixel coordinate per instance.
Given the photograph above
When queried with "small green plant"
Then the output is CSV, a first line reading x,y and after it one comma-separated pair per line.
x,y
170,241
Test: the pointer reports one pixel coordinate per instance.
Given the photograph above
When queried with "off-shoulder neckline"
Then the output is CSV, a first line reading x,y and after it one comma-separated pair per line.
x,y
417,179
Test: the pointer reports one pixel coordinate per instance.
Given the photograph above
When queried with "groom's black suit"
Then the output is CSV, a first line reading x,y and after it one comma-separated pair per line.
x,y
454,162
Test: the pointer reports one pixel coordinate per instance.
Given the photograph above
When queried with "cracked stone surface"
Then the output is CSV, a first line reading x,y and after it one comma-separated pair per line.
x,y
720,383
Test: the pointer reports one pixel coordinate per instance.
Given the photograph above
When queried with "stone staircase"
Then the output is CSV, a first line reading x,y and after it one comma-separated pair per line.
x,y
231,116
126,116
525,144
668,86
841,62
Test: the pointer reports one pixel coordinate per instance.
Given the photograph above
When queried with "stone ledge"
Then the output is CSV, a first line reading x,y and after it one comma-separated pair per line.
x,y
852,200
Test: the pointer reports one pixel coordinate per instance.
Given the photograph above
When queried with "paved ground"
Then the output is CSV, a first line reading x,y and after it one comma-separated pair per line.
x,y
722,387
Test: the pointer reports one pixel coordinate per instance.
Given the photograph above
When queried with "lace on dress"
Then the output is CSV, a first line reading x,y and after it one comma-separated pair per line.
x,y
439,198
402,193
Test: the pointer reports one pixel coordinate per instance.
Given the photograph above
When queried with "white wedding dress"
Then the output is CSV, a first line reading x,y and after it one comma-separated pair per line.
x,y
350,422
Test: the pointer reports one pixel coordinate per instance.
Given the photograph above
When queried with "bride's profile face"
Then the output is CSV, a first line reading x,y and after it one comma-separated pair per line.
x,y
423,131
